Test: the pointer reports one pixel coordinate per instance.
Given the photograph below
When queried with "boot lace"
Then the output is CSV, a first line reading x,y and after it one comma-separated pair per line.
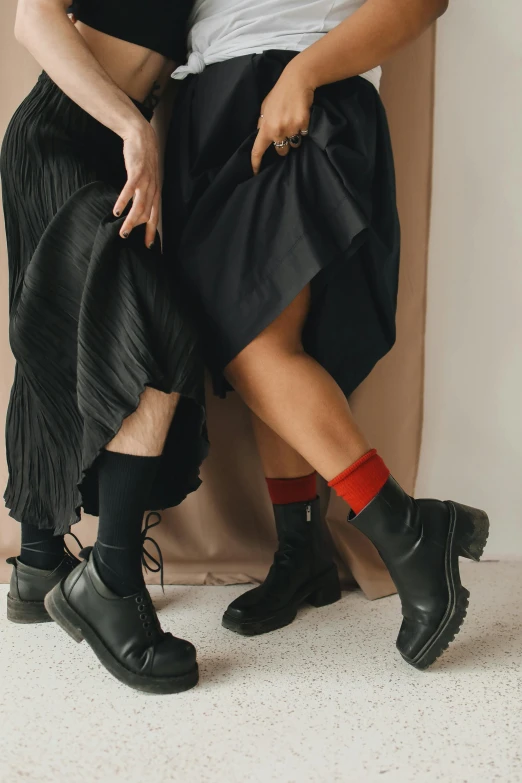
x,y
154,564
151,563
79,543
72,560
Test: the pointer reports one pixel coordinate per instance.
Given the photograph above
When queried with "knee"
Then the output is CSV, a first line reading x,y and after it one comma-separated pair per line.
x,y
266,353
277,345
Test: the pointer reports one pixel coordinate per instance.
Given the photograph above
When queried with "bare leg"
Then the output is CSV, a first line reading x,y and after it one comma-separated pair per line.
x,y
281,385
278,458
144,432
419,542
294,396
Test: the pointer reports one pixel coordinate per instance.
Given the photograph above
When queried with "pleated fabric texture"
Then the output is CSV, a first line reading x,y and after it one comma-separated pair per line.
x,y
94,319
326,214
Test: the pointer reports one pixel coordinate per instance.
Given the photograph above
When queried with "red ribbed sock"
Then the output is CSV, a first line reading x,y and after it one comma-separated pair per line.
x,y
362,481
293,490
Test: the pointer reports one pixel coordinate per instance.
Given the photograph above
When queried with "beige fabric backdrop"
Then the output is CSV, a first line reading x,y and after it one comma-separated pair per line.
x,y
225,533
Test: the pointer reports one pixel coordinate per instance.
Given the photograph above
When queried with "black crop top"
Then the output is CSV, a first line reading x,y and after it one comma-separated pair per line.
x,y
159,25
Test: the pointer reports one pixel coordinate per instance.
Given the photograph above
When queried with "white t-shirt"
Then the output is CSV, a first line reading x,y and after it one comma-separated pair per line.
x,y
222,29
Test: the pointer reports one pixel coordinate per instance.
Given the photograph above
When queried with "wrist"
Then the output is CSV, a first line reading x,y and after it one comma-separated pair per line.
x,y
134,127
301,73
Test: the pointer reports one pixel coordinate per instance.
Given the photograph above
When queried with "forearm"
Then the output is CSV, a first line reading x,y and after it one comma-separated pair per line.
x,y
43,27
366,39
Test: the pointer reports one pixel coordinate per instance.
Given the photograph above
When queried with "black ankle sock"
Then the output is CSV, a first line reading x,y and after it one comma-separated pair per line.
x,y
41,548
125,482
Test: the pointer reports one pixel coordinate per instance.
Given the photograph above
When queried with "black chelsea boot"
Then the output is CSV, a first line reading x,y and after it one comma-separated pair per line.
x,y
420,541
302,572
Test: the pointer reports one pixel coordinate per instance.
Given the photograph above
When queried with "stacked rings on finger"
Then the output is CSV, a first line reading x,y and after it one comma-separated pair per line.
x,y
294,141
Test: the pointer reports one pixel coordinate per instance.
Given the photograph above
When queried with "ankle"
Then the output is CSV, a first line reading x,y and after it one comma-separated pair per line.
x,y
361,481
41,548
292,490
121,572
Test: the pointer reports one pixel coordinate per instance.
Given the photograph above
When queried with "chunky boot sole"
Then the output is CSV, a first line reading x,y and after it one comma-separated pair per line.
x,y
78,629
26,612
321,591
467,537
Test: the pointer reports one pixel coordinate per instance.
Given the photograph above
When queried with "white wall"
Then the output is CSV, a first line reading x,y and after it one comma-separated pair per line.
x,y
472,441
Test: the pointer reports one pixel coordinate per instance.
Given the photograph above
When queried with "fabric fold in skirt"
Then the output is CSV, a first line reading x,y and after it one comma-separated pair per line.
x,y
94,319
326,215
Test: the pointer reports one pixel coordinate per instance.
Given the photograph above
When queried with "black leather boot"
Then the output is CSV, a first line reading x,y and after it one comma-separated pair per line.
x,y
420,542
124,633
29,586
302,572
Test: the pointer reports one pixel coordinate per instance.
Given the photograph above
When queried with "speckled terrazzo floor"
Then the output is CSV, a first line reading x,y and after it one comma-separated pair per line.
x,y
326,699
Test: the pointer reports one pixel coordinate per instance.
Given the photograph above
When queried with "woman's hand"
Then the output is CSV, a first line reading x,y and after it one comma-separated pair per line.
x,y
45,29
368,37
285,114
143,186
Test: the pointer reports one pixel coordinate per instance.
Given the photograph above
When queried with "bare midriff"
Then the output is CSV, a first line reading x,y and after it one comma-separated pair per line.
x,y
139,72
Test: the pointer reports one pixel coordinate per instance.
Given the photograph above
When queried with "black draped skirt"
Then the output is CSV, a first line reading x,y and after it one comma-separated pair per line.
x,y
94,319
325,215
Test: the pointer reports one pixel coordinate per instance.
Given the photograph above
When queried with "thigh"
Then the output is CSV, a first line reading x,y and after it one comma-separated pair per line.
x,y
284,335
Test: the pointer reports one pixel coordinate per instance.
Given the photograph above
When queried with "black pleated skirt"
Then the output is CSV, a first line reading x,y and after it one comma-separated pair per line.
x,y
94,319
325,215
